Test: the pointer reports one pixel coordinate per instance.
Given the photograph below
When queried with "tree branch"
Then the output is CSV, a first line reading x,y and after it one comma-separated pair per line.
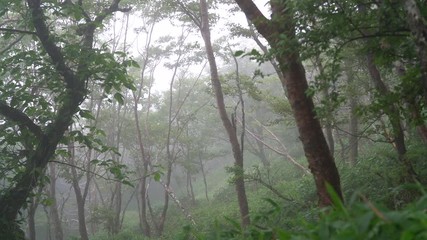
x,y
18,31
114,7
17,40
190,14
86,170
284,153
46,39
253,13
20,118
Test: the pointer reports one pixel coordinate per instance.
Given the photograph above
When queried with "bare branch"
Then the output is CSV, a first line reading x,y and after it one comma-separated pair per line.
x,y
284,153
85,170
18,31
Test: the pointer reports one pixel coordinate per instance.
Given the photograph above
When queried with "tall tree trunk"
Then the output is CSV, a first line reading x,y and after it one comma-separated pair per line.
x,y
145,226
143,149
353,138
418,26
31,218
354,132
319,157
162,220
56,226
231,130
116,206
329,134
414,107
190,190
205,182
393,115
325,95
78,193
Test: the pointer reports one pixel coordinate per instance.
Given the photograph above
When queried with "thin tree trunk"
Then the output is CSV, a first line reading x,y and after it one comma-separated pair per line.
x,y
204,176
78,193
353,138
193,199
162,220
145,226
326,97
354,134
413,106
393,115
190,192
231,130
31,218
56,225
418,26
143,181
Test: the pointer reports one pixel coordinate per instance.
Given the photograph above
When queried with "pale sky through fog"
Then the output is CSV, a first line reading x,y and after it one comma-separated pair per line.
x,y
162,74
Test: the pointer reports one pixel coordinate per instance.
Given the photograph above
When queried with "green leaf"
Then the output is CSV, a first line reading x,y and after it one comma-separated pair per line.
x,y
336,200
238,53
86,114
407,235
157,176
47,201
119,98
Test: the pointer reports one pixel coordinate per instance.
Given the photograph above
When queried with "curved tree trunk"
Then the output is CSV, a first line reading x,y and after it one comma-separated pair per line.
x,y
231,130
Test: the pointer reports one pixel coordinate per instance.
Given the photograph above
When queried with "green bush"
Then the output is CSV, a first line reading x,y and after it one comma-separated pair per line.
x,y
360,220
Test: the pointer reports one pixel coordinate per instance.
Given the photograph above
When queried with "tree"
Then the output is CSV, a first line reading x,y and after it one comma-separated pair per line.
x,y
280,34
64,71
230,128
56,223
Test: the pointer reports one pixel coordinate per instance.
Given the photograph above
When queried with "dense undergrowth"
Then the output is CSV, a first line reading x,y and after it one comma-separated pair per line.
x,y
378,205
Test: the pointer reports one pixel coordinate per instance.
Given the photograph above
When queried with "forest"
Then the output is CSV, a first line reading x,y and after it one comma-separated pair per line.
x,y
213,119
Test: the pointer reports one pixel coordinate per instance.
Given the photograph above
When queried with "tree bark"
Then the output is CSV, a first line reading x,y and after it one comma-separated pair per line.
x,y
321,162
